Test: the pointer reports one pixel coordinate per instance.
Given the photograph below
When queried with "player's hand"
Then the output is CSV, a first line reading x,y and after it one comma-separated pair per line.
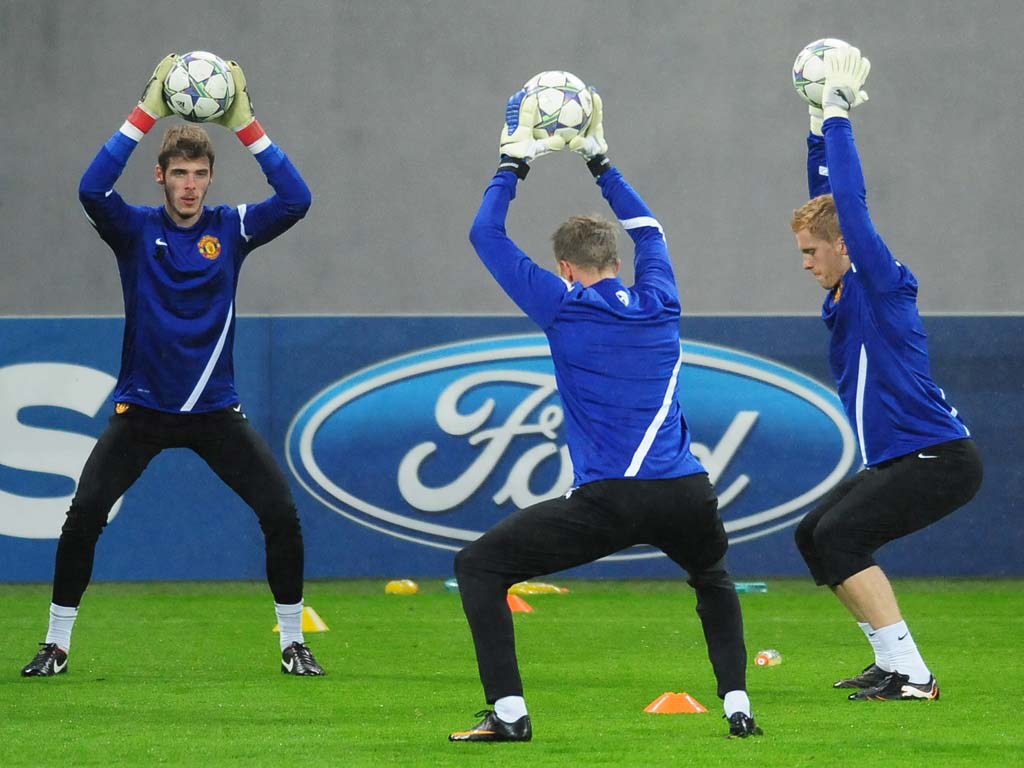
x,y
517,141
152,100
846,72
239,114
591,142
817,118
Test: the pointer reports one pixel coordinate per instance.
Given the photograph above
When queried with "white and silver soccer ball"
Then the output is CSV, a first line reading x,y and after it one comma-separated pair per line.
x,y
565,104
199,86
809,69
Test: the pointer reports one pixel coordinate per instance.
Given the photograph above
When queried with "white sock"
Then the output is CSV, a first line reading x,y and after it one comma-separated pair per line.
x,y
737,701
876,645
289,619
62,621
510,708
901,652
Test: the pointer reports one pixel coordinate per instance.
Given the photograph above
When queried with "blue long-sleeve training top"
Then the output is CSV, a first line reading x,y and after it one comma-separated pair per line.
x,y
615,349
878,349
179,283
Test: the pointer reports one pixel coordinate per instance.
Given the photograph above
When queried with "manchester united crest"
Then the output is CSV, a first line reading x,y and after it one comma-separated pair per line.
x,y
209,247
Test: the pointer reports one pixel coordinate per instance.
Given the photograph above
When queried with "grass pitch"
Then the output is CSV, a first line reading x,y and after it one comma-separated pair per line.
x,y
187,674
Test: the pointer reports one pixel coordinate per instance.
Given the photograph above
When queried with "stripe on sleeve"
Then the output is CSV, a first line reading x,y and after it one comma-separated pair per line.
x,y
641,221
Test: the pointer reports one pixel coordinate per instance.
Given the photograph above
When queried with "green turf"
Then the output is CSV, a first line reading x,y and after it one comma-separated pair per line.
x,y
187,674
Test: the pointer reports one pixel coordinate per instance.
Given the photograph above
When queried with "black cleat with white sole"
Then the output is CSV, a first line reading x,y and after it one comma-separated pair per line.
x,y
51,660
897,687
742,725
869,678
297,659
493,728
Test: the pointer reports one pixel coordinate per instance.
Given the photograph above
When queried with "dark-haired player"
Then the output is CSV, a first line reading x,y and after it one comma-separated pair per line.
x,y
179,266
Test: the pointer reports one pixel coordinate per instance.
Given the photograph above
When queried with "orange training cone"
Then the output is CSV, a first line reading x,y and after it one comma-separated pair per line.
x,y
675,704
518,605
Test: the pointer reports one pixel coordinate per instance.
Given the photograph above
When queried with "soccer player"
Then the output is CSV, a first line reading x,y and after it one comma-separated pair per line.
x,y
617,357
919,463
179,266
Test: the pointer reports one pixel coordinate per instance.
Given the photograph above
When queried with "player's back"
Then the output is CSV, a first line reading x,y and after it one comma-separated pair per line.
x,y
617,358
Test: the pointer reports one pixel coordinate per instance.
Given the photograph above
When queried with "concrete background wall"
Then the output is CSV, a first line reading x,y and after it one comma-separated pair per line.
x,y
392,109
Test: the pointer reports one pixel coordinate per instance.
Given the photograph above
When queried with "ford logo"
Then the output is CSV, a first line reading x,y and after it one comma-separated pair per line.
x,y
436,446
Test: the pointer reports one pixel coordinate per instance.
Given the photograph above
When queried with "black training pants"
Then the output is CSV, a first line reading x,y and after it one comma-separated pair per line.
x,y
678,516
839,537
227,442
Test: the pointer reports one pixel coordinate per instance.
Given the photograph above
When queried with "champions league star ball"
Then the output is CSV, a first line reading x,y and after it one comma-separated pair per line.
x,y
199,87
809,69
565,104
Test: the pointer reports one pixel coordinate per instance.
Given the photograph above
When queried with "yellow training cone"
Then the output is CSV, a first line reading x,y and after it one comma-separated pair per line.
x,y
402,587
536,588
311,622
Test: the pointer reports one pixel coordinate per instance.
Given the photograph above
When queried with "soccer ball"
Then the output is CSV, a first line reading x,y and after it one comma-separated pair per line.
x,y
199,87
565,104
809,69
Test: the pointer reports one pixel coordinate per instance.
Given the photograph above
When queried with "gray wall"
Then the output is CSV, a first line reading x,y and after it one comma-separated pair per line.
x,y
392,110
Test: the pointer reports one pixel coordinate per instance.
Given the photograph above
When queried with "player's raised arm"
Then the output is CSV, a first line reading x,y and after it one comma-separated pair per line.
x,y
536,291
847,71
291,200
817,163
808,80
106,210
652,266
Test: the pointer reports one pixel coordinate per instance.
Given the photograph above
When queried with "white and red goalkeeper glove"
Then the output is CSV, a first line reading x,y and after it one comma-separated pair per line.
x,y
239,117
151,106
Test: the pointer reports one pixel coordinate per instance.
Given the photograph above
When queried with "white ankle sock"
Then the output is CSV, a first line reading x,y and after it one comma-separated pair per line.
x,y
510,708
901,652
736,701
876,645
289,619
62,621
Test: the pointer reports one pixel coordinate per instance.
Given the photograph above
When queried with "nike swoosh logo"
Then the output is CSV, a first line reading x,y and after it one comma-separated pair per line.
x,y
926,456
58,667
290,664
902,636
161,241
237,408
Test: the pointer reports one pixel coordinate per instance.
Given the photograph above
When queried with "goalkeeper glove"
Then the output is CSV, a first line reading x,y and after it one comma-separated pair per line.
x,y
817,118
591,142
846,71
239,117
151,106
517,144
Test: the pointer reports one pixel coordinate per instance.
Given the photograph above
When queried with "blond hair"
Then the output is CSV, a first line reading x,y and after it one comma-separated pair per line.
x,y
588,242
185,140
819,217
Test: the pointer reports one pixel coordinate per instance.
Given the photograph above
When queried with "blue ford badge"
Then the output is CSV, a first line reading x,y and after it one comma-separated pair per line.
x,y
437,445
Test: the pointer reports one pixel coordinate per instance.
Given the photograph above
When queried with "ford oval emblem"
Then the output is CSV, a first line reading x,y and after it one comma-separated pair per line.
x,y
437,445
